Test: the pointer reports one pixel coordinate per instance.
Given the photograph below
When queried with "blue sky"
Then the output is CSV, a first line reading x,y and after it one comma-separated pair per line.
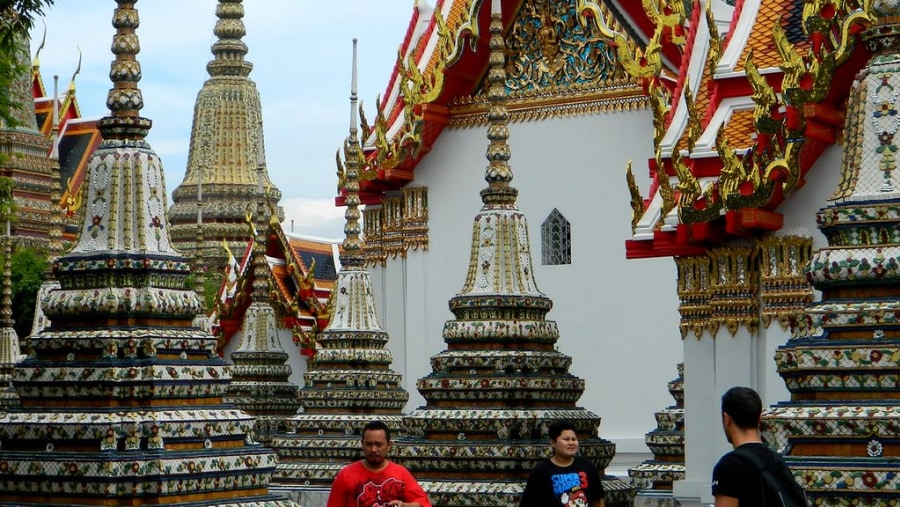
x,y
301,54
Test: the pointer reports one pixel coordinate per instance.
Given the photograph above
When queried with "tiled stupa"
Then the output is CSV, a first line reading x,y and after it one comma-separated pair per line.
x,y
259,383
841,428
10,351
226,143
666,442
121,399
500,382
350,381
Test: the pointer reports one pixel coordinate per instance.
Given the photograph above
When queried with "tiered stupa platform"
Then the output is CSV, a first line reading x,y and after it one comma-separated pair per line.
x,y
500,383
666,442
260,382
121,398
841,427
350,382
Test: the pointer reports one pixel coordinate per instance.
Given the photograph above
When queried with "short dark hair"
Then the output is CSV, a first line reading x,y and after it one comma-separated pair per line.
x,y
557,427
743,405
375,426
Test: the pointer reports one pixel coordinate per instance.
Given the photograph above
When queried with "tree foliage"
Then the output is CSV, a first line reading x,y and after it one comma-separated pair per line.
x,y
28,267
16,19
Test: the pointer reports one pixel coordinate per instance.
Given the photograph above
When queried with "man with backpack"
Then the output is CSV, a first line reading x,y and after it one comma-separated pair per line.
x,y
751,475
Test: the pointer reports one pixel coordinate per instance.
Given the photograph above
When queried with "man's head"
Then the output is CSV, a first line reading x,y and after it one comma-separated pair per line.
x,y
376,444
557,427
741,409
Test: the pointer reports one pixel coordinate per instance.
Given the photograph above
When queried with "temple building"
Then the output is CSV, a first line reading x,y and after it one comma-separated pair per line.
x,y
573,108
24,157
749,100
351,381
106,415
226,147
500,382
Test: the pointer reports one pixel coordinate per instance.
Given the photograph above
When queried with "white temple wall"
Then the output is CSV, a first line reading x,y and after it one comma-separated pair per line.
x,y
617,318
713,365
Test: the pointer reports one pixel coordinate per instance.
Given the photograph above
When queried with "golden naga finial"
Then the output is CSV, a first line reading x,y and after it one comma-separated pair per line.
x,y
668,16
694,127
688,187
764,98
666,192
646,63
660,104
637,201
341,171
715,41
364,129
732,174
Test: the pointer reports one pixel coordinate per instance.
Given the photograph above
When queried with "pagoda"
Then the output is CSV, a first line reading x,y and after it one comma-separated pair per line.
x,y
226,142
121,398
259,383
840,428
666,442
350,382
500,383
25,161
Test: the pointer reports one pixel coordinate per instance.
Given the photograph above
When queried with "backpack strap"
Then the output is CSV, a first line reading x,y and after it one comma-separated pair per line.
x,y
750,456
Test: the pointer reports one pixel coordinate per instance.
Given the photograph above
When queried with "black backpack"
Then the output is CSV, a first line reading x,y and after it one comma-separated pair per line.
x,y
779,489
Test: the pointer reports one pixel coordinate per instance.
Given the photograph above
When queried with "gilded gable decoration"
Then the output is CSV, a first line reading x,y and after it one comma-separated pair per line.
x,y
784,289
555,66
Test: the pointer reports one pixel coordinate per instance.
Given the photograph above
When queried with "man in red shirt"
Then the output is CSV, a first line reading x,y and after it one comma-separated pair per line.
x,y
376,481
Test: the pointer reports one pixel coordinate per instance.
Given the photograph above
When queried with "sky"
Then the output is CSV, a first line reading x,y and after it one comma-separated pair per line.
x,y
301,52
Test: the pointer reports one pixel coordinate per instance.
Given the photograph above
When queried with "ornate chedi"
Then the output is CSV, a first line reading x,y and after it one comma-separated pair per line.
x,y
500,382
841,426
121,399
666,442
10,352
226,143
23,157
259,383
350,381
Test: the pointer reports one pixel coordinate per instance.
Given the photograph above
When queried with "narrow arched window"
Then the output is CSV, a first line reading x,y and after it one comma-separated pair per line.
x,y
556,240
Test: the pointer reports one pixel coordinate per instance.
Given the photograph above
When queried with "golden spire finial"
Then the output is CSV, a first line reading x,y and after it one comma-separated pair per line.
x,y
124,99
351,256
499,174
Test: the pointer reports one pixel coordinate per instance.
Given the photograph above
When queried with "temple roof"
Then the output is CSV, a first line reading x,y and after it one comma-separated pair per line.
x,y
440,67
737,132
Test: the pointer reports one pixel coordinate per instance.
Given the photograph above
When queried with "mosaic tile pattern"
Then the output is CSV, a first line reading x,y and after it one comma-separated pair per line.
x,y
121,398
666,442
500,382
840,429
226,144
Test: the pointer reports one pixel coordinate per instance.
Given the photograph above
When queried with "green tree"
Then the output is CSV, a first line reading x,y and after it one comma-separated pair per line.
x,y
28,267
16,19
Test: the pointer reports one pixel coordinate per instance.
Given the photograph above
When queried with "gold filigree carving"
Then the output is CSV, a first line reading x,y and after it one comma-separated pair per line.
x,y
784,290
734,296
694,294
637,62
392,227
415,218
666,192
659,104
373,234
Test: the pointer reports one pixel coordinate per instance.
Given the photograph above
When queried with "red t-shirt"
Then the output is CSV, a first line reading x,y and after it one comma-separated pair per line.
x,y
356,486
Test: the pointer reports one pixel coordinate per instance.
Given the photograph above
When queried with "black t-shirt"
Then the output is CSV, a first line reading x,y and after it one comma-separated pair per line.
x,y
738,477
550,485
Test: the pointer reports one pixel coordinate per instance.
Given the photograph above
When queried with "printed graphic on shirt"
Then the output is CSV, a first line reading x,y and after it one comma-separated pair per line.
x,y
569,489
378,495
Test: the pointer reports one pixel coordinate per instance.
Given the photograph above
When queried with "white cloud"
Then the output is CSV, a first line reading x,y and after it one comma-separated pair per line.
x,y
316,217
